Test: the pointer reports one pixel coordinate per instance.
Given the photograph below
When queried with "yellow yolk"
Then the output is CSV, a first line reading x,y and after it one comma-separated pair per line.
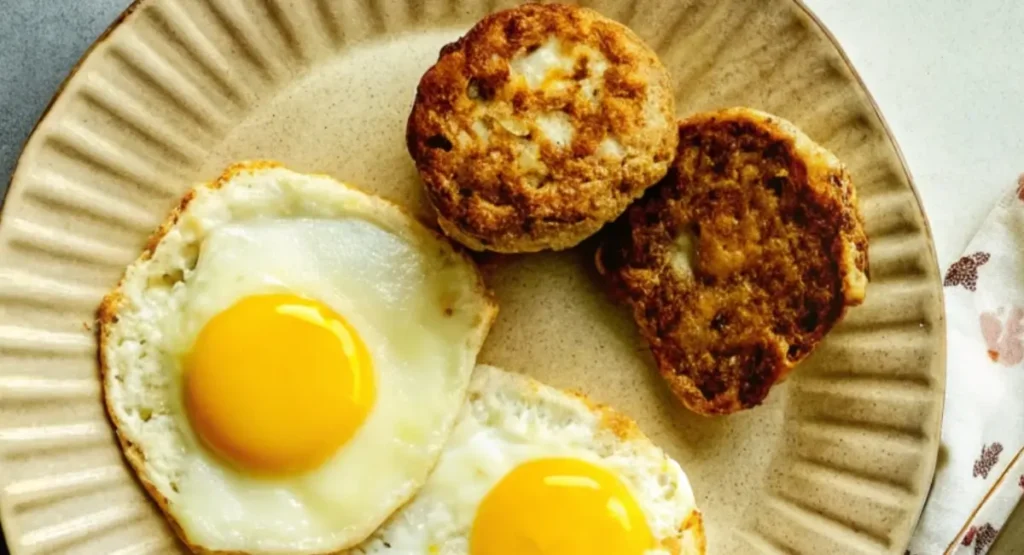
x,y
560,507
277,383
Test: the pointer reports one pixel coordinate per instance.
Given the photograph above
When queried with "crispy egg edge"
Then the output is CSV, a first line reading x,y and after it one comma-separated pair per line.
x,y
107,314
618,423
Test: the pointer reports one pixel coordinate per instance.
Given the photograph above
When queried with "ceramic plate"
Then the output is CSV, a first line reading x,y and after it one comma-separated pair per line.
x,y
839,458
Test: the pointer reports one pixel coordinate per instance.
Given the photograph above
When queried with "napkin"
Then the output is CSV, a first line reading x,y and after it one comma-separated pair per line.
x,y
980,475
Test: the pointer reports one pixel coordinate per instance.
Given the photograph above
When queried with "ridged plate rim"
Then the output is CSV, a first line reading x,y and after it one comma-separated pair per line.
x,y
126,18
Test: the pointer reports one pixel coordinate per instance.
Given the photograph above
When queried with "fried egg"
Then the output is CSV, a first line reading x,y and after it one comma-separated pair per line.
x,y
285,361
531,470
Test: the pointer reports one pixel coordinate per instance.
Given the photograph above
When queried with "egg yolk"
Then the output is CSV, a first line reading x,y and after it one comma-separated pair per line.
x,y
277,383
560,507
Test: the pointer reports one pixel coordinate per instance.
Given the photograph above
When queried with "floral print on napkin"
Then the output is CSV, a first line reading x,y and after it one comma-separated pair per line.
x,y
965,271
981,479
980,537
989,457
1003,331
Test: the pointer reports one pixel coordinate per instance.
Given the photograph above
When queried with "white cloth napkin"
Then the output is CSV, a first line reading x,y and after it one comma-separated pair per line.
x,y
980,475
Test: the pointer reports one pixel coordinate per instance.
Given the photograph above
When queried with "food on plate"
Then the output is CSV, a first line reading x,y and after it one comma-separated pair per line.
x,y
531,469
539,126
284,362
741,260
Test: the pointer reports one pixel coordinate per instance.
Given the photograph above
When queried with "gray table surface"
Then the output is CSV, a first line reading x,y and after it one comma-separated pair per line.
x,y
40,41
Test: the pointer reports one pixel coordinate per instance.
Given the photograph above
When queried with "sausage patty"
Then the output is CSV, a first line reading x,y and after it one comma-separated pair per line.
x,y
741,260
539,126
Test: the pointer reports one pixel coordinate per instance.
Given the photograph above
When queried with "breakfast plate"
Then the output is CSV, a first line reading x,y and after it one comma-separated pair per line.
x,y
837,460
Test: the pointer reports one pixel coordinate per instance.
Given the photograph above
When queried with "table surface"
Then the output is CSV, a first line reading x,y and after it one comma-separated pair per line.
x,y
948,75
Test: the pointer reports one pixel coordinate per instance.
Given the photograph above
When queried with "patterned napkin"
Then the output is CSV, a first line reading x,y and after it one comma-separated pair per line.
x,y
980,475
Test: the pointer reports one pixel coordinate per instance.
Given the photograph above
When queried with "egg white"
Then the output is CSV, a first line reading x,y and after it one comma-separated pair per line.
x,y
419,306
510,419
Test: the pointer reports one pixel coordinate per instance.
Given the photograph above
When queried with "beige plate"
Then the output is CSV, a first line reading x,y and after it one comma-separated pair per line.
x,y
838,460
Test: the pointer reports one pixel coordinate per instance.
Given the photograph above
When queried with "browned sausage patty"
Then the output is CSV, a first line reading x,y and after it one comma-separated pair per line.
x,y
741,259
539,126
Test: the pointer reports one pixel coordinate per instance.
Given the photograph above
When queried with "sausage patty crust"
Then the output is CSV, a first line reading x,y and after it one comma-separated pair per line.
x,y
539,126
741,260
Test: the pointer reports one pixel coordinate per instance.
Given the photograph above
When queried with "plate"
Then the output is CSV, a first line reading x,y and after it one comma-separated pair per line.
x,y
838,460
